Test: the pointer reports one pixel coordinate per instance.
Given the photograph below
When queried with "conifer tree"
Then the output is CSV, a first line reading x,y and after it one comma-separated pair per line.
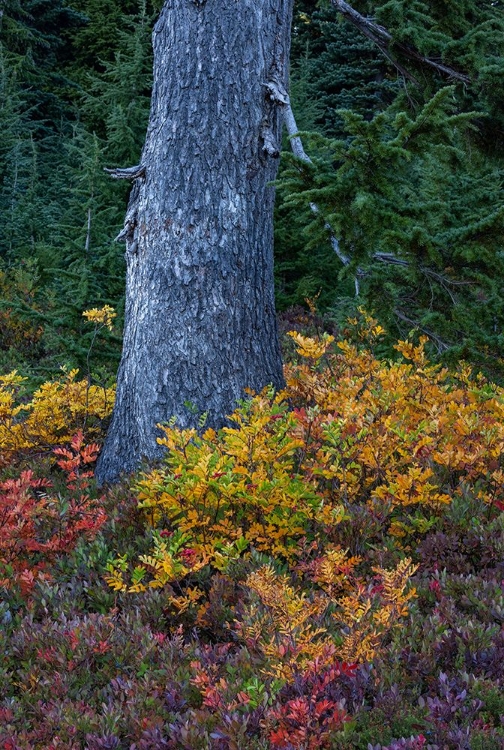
x,y
414,193
333,67
63,123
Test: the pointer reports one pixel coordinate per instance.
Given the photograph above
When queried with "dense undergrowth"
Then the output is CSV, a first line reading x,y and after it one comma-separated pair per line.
x,y
325,572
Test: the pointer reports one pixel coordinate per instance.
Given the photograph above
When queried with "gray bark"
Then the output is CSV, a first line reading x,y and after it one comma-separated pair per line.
x,y
200,320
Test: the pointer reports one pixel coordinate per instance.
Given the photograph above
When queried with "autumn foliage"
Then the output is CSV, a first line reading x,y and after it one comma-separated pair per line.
x,y
323,572
37,524
52,415
400,441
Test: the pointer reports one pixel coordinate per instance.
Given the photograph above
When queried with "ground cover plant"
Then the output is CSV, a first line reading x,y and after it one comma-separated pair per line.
x,y
326,571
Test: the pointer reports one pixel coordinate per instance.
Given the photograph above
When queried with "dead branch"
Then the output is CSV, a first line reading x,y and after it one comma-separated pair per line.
x,y
126,173
384,41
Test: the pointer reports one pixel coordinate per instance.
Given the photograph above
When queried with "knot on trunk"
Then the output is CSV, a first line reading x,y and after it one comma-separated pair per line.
x,y
276,91
270,145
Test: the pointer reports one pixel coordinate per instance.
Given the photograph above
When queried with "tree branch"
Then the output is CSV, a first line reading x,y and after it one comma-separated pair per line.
x,y
441,345
390,258
295,141
126,173
384,40
298,151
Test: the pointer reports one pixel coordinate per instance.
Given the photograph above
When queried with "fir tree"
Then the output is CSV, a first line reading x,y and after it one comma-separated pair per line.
x,y
420,219
63,124
333,67
410,181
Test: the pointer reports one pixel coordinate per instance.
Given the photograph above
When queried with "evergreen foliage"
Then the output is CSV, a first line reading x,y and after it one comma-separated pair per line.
x,y
469,38
341,67
333,67
402,166
71,109
410,181
36,44
422,224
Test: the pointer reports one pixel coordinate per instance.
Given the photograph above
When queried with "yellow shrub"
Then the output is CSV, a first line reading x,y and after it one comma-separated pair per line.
x,y
54,413
395,441
292,630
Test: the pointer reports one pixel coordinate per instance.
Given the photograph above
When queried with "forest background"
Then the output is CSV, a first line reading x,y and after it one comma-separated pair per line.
x,y
406,168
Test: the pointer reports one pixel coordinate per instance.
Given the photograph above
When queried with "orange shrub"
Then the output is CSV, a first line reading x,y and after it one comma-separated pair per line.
x,y
395,442
404,437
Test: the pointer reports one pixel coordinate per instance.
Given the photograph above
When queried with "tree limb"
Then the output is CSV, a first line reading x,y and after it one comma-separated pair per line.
x,y
384,40
298,150
126,173
390,258
295,141
441,345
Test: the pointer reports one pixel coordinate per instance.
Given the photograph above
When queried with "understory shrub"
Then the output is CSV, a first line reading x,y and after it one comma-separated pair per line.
x,y
326,571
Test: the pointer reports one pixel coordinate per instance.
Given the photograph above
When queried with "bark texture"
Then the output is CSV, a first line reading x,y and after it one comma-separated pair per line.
x,y
200,319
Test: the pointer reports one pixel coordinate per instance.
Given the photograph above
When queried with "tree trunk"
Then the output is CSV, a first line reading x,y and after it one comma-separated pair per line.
x,y
200,318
